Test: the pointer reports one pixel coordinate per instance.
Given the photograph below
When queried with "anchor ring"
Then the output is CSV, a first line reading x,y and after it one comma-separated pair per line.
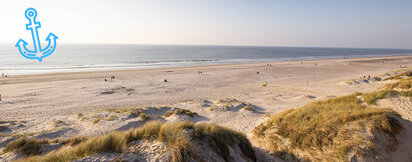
x,y
31,13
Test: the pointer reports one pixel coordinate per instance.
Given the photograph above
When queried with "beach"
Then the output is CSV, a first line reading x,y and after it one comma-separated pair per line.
x,y
40,99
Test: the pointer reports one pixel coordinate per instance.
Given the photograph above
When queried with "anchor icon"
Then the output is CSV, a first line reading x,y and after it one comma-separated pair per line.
x,y
38,53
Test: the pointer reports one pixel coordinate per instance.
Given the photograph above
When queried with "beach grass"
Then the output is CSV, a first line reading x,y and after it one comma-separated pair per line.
x,y
2,128
111,118
97,120
340,125
247,107
180,112
175,134
372,97
403,84
25,146
329,124
399,76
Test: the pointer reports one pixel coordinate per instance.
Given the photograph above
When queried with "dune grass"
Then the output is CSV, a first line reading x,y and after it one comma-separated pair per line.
x,y
31,146
176,135
2,128
403,84
180,112
59,123
97,120
248,107
25,146
406,93
402,87
111,118
372,97
329,124
399,76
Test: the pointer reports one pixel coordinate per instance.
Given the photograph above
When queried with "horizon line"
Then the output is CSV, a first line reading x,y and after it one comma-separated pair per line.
x,y
150,44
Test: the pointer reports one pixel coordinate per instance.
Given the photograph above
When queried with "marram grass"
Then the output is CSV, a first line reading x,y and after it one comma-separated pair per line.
x,y
180,144
326,125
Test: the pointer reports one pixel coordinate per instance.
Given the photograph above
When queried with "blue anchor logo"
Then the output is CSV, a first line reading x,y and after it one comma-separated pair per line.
x,y
38,53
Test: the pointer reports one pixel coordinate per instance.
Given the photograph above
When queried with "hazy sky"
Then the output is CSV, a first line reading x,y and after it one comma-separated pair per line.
x,y
322,23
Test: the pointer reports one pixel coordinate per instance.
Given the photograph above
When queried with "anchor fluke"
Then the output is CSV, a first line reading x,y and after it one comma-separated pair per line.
x,y
52,36
51,46
21,42
21,45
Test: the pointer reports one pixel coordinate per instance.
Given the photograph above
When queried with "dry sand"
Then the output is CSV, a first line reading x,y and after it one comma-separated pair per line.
x,y
36,102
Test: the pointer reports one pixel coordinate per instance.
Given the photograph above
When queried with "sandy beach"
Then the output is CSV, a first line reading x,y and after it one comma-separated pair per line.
x,y
35,102
47,97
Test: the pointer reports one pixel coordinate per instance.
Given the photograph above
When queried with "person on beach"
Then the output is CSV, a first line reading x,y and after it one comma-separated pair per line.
x,y
265,84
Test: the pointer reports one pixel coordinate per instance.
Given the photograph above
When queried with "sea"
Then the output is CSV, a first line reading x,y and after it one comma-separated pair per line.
x,y
94,57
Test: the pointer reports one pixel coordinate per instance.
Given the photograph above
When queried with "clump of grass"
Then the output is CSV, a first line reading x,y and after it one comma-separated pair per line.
x,y
402,87
228,103
169,113
222,135
143,116
372,97
112,118
140,113
175,134
31,146
70,141
180,112
406,93
403,84
183,150
327,125
134,113
212,108
247,107
25,146
97,120
58,123
399,76
3,128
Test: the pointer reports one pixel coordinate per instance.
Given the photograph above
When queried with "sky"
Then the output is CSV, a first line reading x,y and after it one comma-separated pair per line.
x,y
309,23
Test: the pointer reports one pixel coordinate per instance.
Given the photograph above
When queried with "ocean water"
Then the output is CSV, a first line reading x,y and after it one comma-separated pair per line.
x,y
72,57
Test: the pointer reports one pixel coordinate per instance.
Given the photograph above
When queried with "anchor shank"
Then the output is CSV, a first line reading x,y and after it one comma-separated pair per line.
x,y
35,35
